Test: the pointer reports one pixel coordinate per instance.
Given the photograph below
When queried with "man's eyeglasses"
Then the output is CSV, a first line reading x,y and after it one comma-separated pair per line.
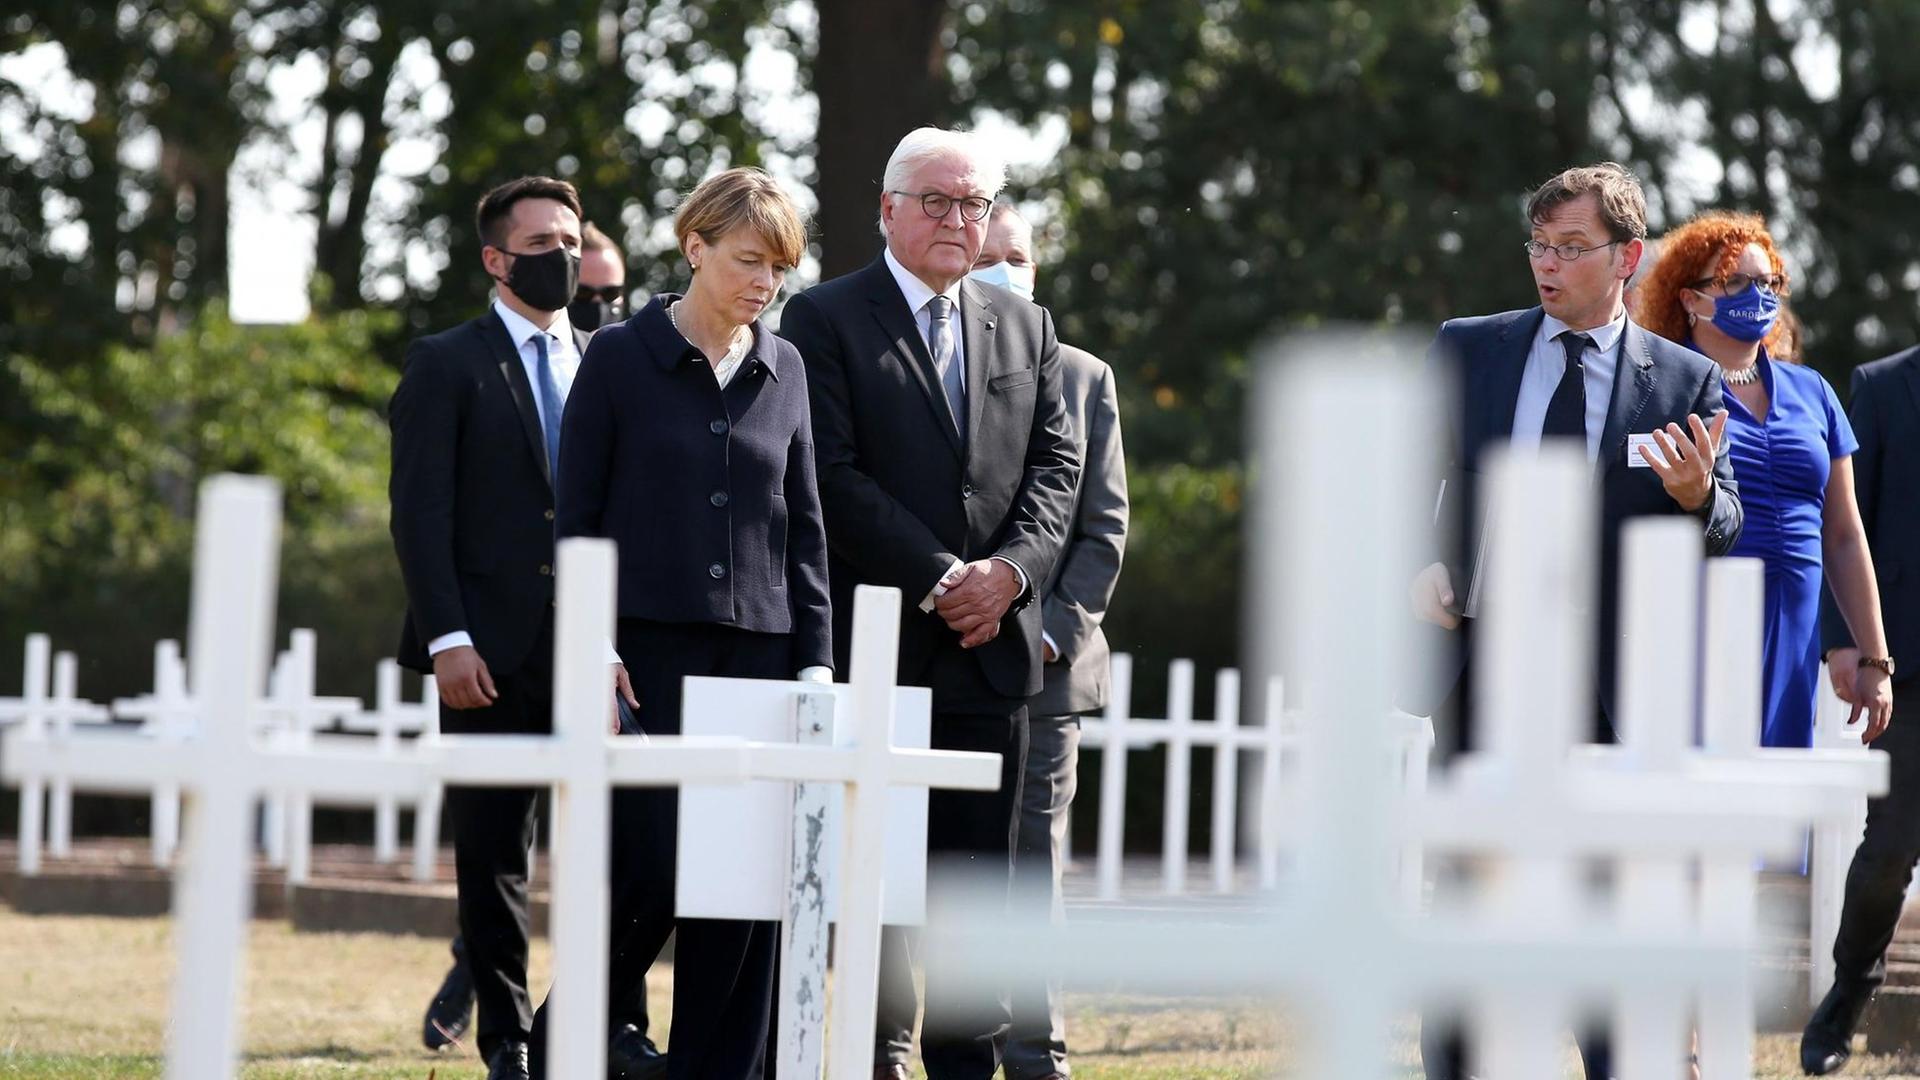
x,y
1566,252
612,294
1735,284
973,207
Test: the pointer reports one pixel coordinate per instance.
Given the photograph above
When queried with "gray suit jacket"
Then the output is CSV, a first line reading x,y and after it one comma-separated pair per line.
x,y
1077,593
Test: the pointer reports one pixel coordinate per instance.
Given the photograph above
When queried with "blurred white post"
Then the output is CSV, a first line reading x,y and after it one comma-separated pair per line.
x,y
67,709
426,812
33,792
1731,709
235,579
1177,797
1660,600
1226,777
1113,779
386,734
1271,795
1533,655
167,716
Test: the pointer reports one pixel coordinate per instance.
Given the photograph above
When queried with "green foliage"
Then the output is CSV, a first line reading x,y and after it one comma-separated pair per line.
x,y
100,541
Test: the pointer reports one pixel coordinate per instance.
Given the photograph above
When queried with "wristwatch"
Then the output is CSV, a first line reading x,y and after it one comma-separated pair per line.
x,y
1884,663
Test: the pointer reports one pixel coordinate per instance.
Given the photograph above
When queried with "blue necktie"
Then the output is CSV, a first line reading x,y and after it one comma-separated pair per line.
x,y
941,345
549,402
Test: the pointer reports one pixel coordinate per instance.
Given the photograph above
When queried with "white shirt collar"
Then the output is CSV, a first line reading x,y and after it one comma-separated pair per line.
x,y
521,331
1603,336
916,291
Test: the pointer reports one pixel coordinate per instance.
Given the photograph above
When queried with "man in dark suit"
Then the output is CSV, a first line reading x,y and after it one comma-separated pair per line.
x,y
476,427
1074,647
1885,411
599,298
946,470
1575,367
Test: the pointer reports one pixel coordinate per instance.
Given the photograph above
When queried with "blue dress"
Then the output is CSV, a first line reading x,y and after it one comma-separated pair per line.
x,y
1782,462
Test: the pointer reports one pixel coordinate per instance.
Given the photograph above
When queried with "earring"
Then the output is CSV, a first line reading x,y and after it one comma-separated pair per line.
x,y
1692,318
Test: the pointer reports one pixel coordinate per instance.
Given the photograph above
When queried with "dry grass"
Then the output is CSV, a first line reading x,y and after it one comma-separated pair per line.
x,y
86,999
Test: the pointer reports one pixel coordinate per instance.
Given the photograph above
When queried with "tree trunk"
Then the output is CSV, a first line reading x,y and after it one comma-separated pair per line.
x,y
876,75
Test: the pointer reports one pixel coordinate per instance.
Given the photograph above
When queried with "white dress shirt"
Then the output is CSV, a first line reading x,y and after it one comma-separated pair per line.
x,y
1547,362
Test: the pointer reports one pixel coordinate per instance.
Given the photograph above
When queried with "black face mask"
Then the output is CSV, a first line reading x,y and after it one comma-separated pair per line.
x,y
594,308
546,281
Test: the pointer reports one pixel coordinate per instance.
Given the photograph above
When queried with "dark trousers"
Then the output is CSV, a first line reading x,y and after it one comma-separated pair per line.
x,y
1038,1044
970,843
492,831
723,969
1883,865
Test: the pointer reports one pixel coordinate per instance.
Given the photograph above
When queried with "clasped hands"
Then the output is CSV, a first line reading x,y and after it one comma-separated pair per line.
x,y
977,598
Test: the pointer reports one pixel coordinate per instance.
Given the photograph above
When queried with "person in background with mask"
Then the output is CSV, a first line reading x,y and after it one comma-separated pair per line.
x,y
1718,291
601,297
1073,646
476,433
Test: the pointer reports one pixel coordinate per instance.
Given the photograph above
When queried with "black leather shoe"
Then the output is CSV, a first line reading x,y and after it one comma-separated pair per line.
x,y
1828,1041
509,1062
632,1056
451,1010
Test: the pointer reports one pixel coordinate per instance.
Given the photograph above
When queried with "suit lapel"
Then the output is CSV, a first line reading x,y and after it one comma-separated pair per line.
x,y
507,359
1632,385
890,310
981,347
1911,369
1500,379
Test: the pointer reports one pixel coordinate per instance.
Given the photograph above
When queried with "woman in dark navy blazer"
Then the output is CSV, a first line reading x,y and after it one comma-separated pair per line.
x,y
687,441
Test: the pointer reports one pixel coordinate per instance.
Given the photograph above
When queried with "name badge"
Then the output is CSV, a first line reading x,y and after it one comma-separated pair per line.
x,y
1634,459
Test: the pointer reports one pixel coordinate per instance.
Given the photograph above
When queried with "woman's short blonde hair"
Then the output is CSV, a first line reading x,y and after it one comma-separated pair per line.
x,y
728,200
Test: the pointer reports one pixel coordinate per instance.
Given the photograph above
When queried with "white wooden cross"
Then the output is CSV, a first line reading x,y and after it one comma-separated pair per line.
x,y
392,717
168,716
224,771
851,859
1343,944
290,715
57,713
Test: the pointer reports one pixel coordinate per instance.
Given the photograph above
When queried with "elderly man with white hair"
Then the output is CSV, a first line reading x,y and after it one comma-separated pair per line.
x,y
946,470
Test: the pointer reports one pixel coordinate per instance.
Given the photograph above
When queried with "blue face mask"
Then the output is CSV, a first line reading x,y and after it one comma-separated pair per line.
x,y
1019,279
1746,316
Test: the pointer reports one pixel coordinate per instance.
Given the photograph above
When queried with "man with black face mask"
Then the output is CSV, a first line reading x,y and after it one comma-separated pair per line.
x,y
476,432
601,297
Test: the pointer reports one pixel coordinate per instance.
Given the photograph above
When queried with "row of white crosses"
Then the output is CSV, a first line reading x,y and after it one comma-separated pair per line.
x,y
1116,732
223,769
47,711
1527,955
290,710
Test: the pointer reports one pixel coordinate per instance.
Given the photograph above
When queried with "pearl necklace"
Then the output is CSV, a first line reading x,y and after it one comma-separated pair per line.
x,y
1745,376
673,317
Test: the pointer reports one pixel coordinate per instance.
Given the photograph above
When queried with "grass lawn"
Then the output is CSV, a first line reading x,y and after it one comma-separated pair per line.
x,y
86,999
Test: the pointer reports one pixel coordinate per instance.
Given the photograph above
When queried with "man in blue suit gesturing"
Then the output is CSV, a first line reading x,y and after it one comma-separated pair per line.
x,y
1575,367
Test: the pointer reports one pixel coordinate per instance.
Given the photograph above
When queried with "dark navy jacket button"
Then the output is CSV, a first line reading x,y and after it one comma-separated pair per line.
x,y
718,498
549,515
716,571
718,427
545,570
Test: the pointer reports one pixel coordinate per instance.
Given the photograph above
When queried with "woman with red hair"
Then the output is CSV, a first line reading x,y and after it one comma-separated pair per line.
x,y
1718,289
